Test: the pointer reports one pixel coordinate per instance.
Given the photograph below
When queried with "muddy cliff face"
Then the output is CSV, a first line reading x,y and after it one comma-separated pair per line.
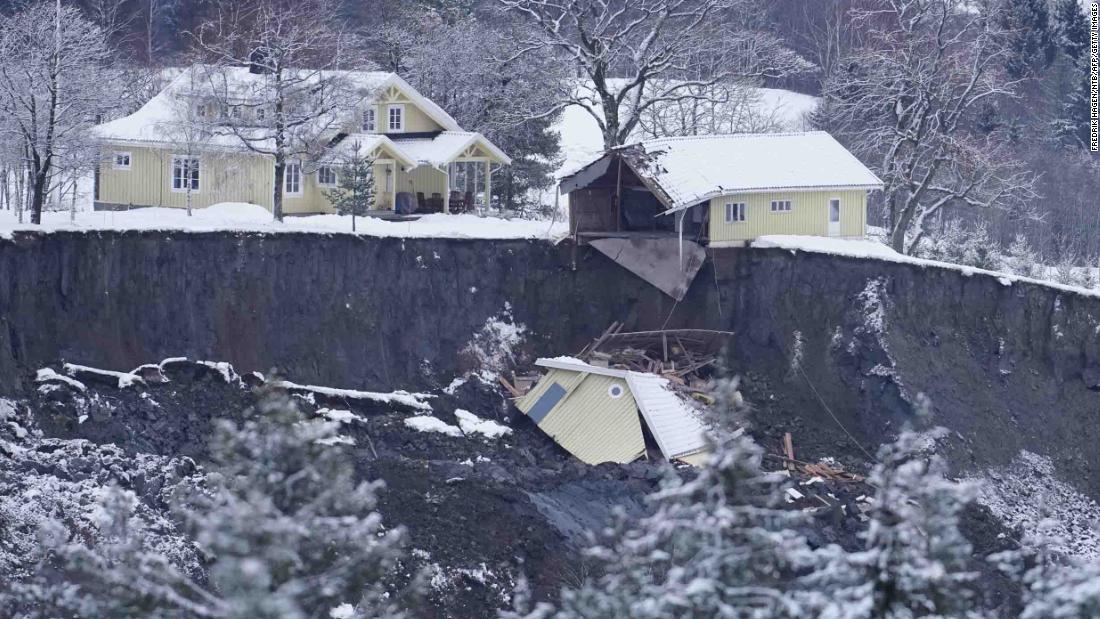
x,y
823,342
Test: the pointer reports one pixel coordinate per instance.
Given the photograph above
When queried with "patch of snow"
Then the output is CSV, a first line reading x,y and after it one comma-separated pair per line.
x,y
252,218
125,379
335,440
472,424
404,398
343,611
455,384
48,374
339,415
867,248
229,375
427,423
1027,491
491,348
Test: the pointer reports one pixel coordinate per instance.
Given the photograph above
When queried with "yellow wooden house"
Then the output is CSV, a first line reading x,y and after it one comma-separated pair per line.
x,y
155,157
723,190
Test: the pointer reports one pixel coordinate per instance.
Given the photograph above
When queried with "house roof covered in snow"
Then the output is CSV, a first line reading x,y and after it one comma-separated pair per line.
x,y
160,120
166,120
448,146
684,171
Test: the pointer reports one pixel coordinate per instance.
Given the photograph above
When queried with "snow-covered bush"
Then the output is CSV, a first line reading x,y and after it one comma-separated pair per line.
x,y
1054,585
915,561
961,244
285,529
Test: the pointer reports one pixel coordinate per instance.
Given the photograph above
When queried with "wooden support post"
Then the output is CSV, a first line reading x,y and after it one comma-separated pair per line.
x,y
393,186
619,196
488,183
447,189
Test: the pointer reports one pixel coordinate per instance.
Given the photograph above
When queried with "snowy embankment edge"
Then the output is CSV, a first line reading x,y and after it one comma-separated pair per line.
x,y
873,250
252,219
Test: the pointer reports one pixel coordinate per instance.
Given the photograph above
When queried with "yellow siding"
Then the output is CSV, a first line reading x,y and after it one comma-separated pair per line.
x,y
238,177
424,179
588,422
809,215
148,182
415,118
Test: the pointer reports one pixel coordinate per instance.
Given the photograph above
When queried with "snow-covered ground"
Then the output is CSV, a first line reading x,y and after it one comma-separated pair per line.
x,y
870,249
253,218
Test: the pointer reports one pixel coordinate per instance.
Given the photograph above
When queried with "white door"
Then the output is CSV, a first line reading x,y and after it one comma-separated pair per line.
x,y
834,217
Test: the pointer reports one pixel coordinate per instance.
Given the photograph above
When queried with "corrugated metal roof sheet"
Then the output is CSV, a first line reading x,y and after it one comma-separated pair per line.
x,y
673,423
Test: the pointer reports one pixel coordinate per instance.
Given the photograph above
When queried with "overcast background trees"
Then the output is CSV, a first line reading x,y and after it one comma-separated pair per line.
x,y
975,114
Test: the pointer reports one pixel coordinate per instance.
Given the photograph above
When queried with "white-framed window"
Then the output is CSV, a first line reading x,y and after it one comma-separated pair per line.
x,y
261,113
735,212
326,175
235,112
370,120
123,161
396,117
292,178
200,110
781,206
185,173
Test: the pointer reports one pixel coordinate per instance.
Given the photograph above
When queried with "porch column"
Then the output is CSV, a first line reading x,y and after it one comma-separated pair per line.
x,y
488,183
393,187
447,188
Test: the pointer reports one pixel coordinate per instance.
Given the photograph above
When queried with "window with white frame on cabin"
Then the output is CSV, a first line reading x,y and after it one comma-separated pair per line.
x,y
326,176
735,212
292,178
370,120
185,173
122,161
781,206
396,115
261,113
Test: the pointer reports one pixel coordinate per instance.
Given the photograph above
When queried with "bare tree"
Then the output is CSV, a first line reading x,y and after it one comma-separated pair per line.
x,y
156,13
636,54
114,18
910,101
51,90
275,83
725,107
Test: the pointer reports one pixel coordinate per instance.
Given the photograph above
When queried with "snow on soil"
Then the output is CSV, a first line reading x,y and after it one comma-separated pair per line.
x,y
253,218
427,423
491,348
341,416
874,250
48,375
411,400
472,424
125,379
1026,491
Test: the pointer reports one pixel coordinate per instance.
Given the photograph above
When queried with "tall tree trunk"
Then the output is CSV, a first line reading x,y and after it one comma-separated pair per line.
x,y
277,198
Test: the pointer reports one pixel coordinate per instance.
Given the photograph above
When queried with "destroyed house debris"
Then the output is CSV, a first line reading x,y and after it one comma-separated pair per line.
x,y
596,413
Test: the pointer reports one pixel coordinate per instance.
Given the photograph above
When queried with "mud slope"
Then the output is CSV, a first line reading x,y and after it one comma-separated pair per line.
x,y
1007,367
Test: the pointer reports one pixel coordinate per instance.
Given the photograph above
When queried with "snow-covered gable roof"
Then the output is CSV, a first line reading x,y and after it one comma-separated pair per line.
x,y
674,424
685,171
447,146
154,122
368,143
